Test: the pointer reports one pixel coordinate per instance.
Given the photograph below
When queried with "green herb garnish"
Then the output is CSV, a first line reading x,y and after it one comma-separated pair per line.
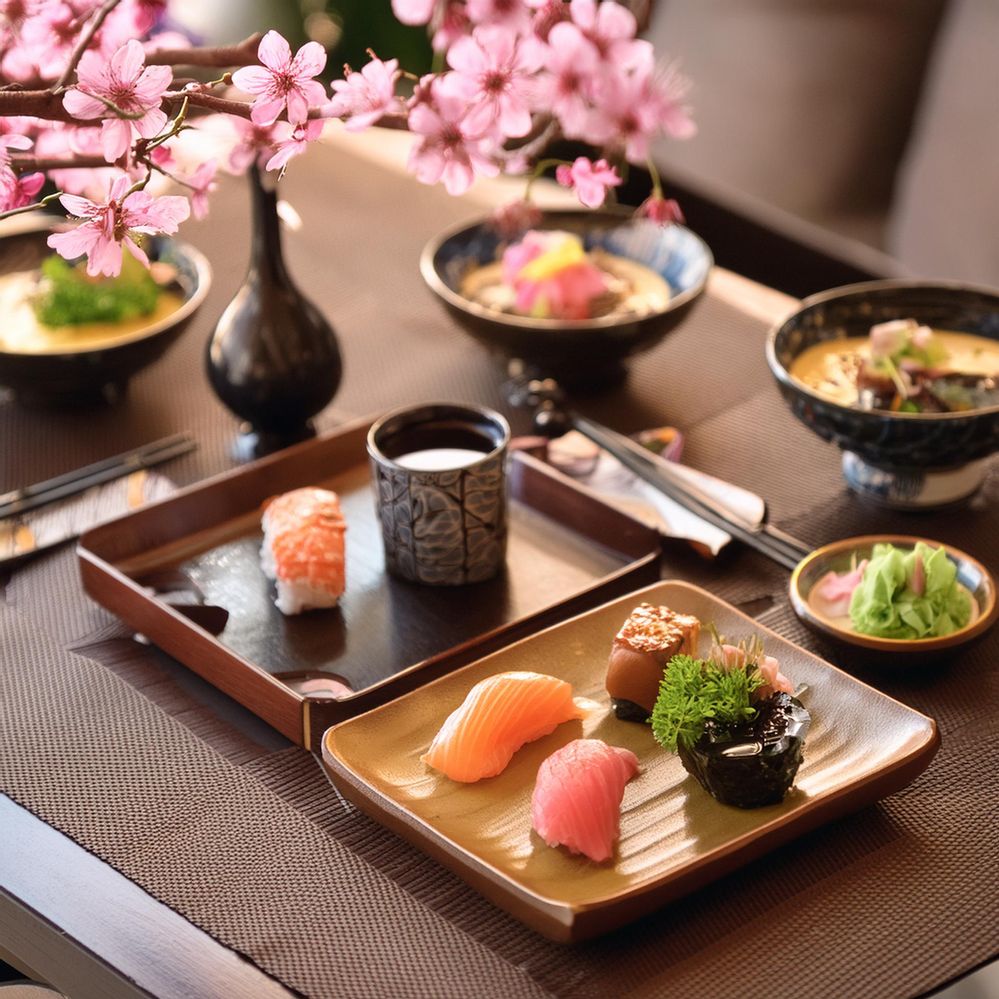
x,y
694,691
68,297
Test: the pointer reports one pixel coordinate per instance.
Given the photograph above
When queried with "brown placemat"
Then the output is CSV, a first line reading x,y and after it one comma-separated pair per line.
x,y
890,902
144,793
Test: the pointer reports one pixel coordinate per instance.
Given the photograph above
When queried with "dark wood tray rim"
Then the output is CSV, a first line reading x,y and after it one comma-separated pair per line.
x,y
286,709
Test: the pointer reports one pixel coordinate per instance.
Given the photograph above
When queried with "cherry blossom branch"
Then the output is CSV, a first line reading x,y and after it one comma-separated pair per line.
x,y
44,104
33,207
216,57
30,164
84,43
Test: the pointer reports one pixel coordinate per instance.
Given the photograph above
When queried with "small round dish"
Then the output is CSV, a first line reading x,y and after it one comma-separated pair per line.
x,y
900,460
69,374
837,557
578,352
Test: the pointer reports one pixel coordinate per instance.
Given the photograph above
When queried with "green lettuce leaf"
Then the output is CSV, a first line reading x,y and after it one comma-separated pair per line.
x,y
886,605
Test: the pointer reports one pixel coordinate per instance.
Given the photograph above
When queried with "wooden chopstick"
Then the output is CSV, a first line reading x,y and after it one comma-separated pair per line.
x,y
777,545
31,497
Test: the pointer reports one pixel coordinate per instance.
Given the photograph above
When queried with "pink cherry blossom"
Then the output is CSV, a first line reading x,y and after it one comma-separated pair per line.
x,y
591,180
296,144
493,71
109,225
571,63
611,28
366,96
135,18
10,140
512,14
16,12
49,36
202,183
18,191
283,81
547,14
629,109
449,150
413,11
127,83
664,211
252,142
62,140
515,217
668,90
452,24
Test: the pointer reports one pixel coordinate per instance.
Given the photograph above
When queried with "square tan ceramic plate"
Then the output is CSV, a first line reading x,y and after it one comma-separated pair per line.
x,y
674,837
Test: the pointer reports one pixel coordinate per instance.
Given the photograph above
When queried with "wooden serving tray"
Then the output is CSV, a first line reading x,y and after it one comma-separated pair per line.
x,y
568,551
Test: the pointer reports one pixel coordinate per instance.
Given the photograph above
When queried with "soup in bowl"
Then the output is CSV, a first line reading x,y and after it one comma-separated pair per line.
x,y
922,454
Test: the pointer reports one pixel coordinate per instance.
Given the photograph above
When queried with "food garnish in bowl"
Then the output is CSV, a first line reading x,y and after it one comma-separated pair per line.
x,y
498,716
898,593
577,797
549,274
734,722
904,367
67,296
647,641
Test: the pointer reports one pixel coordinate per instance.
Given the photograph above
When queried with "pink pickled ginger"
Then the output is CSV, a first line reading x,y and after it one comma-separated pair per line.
x,y
831,594
577,796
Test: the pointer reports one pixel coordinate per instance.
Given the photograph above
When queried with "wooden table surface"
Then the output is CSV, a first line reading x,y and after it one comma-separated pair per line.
x,y
70,919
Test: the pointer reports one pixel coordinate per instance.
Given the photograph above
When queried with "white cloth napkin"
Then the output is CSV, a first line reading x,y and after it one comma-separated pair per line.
x,y
624,490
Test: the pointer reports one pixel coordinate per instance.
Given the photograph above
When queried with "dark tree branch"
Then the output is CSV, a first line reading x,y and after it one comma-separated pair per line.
x,y
29,164
242,54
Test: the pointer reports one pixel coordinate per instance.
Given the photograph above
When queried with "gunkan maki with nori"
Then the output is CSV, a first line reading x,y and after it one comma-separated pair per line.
x,y
734,723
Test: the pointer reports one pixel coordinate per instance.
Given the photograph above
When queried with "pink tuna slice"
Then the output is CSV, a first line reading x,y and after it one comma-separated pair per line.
x,y
577,797
831,594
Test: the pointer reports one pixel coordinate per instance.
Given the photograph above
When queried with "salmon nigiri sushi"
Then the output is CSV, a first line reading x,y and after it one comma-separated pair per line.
x,y
303,549
577,797
498,716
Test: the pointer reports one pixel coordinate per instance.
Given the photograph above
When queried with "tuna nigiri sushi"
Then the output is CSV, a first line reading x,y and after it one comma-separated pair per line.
x,y
303,549
498,716
577,796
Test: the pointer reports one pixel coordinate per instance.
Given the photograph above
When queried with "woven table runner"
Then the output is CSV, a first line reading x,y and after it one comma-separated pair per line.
x,y
250,842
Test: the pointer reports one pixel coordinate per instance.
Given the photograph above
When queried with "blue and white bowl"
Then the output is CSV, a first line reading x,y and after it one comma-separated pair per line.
x,y
903,460
582,351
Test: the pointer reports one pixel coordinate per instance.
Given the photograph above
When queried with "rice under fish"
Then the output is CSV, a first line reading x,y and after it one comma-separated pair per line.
x,y
303,549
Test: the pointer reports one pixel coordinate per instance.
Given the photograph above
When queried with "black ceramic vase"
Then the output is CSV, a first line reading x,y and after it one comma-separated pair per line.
x,y
273,359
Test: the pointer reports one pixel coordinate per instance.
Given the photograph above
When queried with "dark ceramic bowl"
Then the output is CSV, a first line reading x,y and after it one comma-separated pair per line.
x,y
902,446
577,352
838,557
93,373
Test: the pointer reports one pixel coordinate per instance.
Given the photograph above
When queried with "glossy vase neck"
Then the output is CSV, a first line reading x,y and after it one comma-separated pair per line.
x,y
266,256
